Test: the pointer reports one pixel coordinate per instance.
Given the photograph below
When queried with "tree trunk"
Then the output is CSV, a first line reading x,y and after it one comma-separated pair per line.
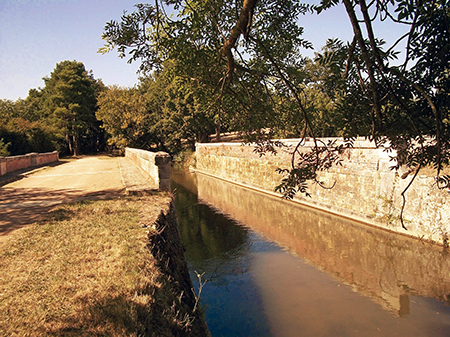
x,y
69,143
76,145
218,131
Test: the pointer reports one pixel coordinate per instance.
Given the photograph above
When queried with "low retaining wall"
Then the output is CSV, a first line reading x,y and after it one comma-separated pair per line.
x,y
366,189
15,163
156,164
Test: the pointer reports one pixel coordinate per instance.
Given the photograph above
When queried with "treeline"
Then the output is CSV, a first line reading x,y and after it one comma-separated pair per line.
x,y
74,113
60,116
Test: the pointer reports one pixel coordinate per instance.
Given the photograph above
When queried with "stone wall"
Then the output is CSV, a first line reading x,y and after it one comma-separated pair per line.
x,y
366,188
156,164
15,163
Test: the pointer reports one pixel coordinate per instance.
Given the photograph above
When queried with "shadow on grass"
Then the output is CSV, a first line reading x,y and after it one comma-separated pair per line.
x,y
23,206
163,315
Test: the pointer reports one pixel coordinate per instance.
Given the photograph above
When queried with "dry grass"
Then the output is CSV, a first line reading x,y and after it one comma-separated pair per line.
x,y
85,271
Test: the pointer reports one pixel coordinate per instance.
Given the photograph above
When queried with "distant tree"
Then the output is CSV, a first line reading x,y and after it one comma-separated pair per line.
x,y
70,103
7,109
20,134
178,117
162,113
60,116
123,112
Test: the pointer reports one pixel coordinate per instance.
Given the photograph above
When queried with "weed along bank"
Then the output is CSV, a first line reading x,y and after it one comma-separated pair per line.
x,y
365,188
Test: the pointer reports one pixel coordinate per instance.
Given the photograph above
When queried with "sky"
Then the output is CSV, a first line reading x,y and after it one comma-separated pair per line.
x,y
37,34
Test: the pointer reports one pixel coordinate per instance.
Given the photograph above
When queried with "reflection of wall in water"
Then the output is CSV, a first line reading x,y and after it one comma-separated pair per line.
x,y
383,266
365,186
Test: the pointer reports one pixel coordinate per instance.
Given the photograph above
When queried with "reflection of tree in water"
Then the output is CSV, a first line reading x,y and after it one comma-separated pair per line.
x,y
215,245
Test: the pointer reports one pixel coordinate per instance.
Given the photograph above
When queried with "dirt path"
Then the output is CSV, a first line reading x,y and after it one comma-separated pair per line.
x,y
23,201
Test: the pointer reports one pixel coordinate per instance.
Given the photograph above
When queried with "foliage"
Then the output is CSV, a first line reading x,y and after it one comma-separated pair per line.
x,y
246,55
321,158
70,103
179,114
163,113
22,135
60,116
124,116
402,105
235,81
4,148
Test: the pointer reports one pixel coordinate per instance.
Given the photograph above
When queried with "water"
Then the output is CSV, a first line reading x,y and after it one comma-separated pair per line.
x,y
273,268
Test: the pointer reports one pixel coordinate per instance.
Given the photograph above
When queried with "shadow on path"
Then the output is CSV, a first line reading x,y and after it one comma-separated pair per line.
x,y
20,174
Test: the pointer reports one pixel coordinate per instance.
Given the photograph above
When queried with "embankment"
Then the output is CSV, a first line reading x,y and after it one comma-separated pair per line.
x,y
184,317
365,188
15,163
165,245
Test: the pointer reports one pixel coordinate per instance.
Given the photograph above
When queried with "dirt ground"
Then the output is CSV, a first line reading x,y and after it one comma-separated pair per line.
x,y
23,201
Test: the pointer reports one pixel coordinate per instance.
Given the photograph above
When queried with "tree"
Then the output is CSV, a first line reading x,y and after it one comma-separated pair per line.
x,y
20,134
60,116
3,148
70,104
123,112
407,104
247,54
237,78
177,108
162,113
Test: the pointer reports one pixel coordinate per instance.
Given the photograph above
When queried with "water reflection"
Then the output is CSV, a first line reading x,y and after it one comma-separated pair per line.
x,y
381,265
221,250
350,279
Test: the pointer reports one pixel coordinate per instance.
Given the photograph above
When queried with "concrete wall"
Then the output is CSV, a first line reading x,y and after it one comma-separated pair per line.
x,y
366,189
14,163
156,164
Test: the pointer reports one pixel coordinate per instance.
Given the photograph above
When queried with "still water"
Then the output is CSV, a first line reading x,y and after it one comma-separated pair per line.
x,y
273,268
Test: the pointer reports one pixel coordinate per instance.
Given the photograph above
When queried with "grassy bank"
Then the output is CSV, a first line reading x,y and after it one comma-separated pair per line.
x,y
86,270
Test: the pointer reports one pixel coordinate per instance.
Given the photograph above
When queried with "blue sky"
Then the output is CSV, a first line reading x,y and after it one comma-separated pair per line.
x,y
37,34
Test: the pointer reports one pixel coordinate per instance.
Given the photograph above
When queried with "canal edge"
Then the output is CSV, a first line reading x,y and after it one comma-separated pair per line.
x,y
339,212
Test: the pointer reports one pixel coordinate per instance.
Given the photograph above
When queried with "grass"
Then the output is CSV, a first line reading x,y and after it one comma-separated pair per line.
x,y
85,270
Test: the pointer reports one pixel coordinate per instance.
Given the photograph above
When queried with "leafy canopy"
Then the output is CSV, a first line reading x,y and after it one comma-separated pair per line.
x,y
247,57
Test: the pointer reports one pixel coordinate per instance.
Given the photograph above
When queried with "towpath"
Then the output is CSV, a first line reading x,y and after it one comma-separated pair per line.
x,y
24,200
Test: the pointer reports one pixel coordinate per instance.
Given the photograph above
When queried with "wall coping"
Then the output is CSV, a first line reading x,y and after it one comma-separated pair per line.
x,y
359,143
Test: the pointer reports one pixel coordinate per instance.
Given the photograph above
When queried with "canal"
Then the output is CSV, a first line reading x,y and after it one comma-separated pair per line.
x,y
274,268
